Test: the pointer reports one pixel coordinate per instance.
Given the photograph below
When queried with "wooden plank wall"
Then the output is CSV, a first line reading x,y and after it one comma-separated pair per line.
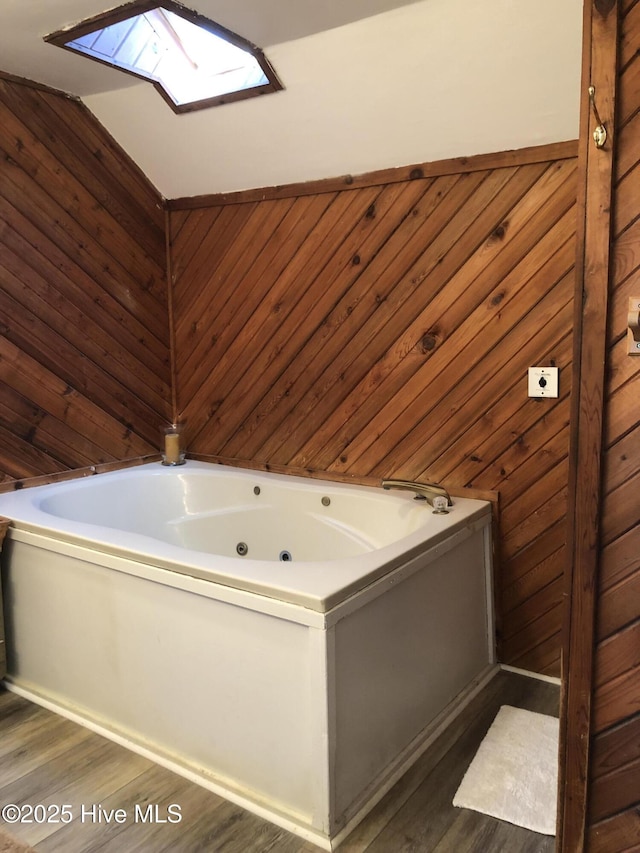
x,y
614,813
84,342
382,327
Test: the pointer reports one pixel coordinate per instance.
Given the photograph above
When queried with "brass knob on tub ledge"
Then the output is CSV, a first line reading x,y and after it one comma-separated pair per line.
x,y
424,491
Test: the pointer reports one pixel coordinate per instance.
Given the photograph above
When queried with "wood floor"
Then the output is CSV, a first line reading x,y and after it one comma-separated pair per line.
x,y
47,759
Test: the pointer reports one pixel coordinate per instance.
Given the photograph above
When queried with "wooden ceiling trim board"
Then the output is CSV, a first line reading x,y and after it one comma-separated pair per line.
x,y
385,177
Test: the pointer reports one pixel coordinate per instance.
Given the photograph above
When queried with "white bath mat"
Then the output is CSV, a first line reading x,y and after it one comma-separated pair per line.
x,y
515,771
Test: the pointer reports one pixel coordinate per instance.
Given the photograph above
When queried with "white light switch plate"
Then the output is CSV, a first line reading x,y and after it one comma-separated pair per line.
x,y
543,381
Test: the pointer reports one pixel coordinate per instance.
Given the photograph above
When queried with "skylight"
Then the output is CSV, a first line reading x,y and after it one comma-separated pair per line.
x,y
192,61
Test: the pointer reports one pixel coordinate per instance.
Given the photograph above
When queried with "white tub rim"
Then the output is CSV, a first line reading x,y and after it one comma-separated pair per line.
x,y
317,586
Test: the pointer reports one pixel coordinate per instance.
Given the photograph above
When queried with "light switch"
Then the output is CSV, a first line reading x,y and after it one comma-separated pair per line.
x,y
543,381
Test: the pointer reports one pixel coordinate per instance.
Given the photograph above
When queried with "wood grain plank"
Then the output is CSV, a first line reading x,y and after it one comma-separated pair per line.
x,y
84,353
387,324
595,191
448,322
330,360
617,606
283,312
616,700
395,429
617,654
621,832
337,297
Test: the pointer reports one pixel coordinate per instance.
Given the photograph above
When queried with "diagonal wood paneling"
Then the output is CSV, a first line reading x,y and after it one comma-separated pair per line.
x,y
385,329
84,346
614,815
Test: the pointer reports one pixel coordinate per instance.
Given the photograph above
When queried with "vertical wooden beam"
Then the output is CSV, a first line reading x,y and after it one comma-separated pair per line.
x,y
590,330
172,342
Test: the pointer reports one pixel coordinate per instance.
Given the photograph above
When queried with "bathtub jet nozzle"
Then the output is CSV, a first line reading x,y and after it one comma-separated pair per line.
x,y
433,493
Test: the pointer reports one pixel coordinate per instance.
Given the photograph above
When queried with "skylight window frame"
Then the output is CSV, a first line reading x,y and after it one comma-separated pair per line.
x,y
61,38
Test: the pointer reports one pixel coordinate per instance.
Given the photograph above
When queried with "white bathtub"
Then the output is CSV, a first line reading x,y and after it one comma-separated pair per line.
x,y
299,680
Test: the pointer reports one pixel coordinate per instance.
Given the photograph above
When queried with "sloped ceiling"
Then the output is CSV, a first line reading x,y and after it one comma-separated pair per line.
x,y
368,84
263,22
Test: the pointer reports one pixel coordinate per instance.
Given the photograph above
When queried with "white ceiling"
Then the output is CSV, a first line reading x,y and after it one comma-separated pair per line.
x,y
263,22
368,85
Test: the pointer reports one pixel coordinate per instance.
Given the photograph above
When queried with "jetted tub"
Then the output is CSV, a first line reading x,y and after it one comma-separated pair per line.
x,y
292,644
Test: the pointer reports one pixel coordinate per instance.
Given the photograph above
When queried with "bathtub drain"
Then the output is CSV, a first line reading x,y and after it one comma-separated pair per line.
x,y
242,548
285,556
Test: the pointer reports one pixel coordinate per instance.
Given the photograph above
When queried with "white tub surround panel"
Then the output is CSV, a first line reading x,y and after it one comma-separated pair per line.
x,y
304,714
